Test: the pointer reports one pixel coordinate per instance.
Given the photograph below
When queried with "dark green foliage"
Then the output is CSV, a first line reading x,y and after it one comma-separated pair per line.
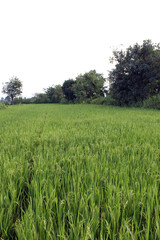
x,y
136,75
18,100
152,102
84,89
55,94
108,100
41,98
13,88
28,100
50,92
89,85
68,89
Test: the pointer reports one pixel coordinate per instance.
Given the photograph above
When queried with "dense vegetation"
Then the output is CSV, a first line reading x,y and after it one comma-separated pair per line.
x,y
2,106
136,75
84,89
134,79
79,172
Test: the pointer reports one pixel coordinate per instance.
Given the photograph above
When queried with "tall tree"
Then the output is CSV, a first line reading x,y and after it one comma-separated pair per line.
x,y
68,89
136,74
12,88
50,91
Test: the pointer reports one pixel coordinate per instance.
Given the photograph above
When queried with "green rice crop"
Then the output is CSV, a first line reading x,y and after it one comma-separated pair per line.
x,y
79,172
2,106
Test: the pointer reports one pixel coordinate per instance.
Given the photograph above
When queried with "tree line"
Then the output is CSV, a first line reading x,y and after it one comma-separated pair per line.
x,y
135,78
84,88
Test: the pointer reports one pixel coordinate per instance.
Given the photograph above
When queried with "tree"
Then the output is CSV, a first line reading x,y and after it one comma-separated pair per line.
x,y
55,94
12,88
90,85
58,94
68,89
136,75
50,91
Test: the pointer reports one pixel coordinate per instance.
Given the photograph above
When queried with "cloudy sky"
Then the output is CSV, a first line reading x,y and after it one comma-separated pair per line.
x,y
45,42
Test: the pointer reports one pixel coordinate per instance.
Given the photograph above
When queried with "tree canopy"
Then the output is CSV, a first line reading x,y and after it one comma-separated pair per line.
x,y
55,94
12,88
68,90
136,75
89,85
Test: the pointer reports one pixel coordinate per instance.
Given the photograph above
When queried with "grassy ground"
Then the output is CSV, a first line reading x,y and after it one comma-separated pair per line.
x,y
79,172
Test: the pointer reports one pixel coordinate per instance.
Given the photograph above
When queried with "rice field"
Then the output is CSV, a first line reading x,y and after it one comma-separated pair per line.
x,y
79,172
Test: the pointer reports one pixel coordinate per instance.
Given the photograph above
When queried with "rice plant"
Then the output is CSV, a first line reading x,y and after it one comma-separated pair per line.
x,y
79,172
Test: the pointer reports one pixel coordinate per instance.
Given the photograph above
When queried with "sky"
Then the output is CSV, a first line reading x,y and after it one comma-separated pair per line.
x,y
45,42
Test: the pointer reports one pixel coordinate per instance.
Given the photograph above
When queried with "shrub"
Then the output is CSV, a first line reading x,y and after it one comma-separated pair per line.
x,y
18,100
108,100
99,100
138,104
64,101
2,106
152,102
41,98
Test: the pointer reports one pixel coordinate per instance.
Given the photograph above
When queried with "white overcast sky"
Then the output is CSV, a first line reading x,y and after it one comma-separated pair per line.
x,y
45,42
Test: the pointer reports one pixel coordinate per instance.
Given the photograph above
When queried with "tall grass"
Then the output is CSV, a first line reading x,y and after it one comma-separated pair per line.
x,y
79,172
2,106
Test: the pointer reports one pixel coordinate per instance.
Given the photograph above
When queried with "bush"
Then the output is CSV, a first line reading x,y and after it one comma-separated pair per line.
x,y
152,102
108,100
64,101
41,98
18,100
138,104
99,100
